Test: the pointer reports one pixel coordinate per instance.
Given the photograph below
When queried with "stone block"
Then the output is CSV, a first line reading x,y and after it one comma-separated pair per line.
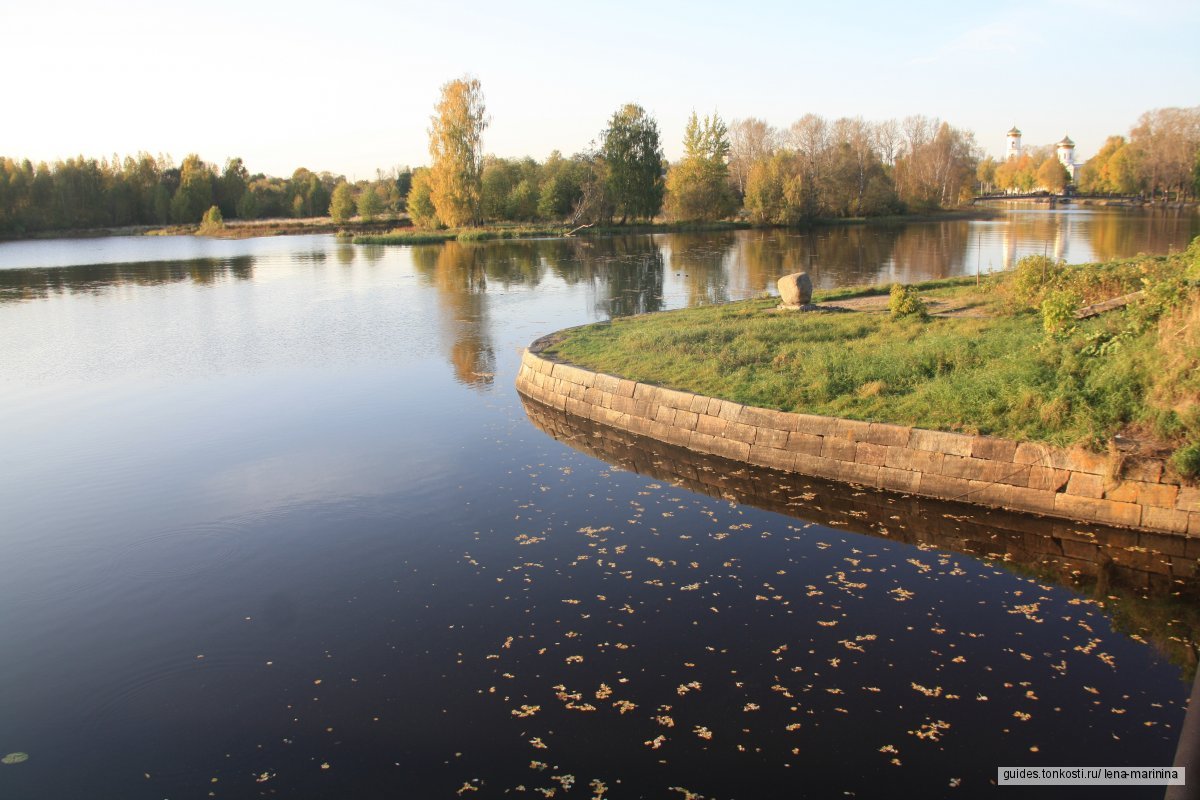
x,y
771,437
805,443
728,411
941,442
1047,478
676,399
572,374
1194,523
700,404
915,460
852,430
625,405
772,457
1188,499
665,415
899,480
1162,495
1080,460
639,425
885,434
1034,453
678,436
945,487
703,443
713,426
990,493
740,432
978,469
815,425
686,420
1165,519
759,417
1149,470
626,388
731,448
1082,484
816,465
1096,510
867,453
852,472
795,289
993,449
606,383
838,449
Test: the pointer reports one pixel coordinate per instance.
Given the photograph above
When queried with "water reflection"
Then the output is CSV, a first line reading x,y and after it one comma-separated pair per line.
x,y
41,282
1149,587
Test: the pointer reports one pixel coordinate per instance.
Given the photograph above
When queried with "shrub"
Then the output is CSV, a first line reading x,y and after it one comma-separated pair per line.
x,y
1032,276
1187,460
1058,311
905,302
212,221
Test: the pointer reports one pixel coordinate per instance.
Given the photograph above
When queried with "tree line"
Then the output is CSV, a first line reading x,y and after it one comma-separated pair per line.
x,y
814,168
151,190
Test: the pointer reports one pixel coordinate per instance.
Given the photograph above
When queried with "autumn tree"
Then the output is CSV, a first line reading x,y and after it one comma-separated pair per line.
x,y
456,147
775,189
750,141
698,186
195,193
1166,141
1052,175
419,202
370,204
633,157
341,205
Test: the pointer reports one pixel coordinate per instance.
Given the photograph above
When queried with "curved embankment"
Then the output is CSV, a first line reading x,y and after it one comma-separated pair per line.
x,y
998,473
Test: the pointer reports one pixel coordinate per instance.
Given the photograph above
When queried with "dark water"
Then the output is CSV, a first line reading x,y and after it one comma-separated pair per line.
x,y
274,522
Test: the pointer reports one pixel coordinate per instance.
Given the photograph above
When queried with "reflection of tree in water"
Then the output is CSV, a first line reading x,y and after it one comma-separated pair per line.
x,y
373,253
928,250
36,283
344,252
833,257
1118,234
702,260
459,274
626,272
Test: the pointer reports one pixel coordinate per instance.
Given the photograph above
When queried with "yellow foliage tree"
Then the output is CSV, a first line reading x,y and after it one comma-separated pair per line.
x,y
455,146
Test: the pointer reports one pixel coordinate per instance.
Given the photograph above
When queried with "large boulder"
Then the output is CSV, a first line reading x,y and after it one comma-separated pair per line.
x,y
795,289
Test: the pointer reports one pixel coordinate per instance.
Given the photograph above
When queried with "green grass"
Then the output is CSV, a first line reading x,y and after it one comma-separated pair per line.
x,y
1001,375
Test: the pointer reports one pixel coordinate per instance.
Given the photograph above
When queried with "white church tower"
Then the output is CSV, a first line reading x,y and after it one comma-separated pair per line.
x,y
1014,144
1066,154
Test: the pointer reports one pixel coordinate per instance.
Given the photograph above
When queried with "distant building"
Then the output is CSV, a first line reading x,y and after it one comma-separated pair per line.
x,y
1066,154
1065,150
1014,144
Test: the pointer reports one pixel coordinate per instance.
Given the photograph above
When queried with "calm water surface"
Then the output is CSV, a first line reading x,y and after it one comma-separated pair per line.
x,y
274,522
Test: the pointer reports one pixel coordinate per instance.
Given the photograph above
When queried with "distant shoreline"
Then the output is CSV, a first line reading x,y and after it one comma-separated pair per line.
x,y
400,227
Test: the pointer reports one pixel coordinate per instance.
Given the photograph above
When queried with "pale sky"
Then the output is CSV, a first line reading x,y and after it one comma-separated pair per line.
x,y
349,86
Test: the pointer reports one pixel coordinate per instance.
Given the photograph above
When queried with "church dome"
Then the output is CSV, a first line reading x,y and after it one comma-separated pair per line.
x,y
1066,142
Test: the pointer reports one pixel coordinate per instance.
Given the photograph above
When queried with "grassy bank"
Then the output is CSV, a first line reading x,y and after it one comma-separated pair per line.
x,y
1016,364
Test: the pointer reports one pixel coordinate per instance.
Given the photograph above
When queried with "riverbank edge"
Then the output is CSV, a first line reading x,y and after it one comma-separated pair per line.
x,y
1067,483
383,227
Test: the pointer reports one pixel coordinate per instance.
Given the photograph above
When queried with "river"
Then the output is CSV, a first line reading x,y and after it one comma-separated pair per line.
x,y
274,522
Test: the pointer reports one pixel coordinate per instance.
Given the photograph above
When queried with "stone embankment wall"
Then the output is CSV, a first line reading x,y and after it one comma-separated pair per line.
x,y
999,473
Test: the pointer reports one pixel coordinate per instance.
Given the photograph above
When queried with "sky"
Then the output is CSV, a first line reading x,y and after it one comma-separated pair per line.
x,y
348,87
